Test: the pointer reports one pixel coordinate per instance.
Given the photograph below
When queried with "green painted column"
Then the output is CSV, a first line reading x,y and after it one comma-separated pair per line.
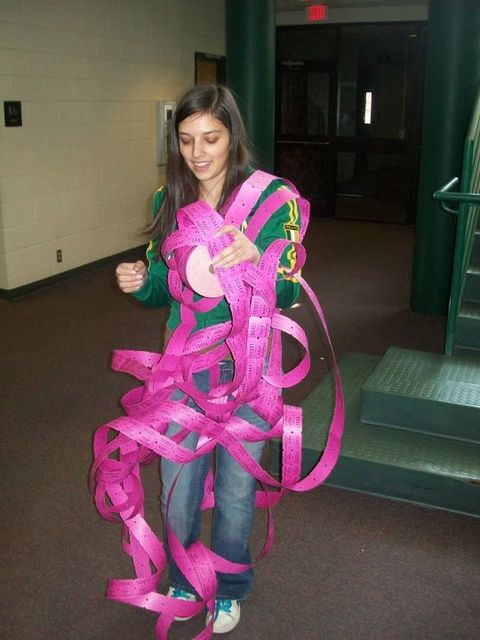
x,y
250,70
452,77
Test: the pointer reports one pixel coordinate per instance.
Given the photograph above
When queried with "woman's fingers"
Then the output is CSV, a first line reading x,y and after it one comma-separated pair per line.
x,y
240,250
131,276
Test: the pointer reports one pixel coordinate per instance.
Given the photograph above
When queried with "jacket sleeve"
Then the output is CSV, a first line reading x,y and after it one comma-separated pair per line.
x,y
285,224
154,292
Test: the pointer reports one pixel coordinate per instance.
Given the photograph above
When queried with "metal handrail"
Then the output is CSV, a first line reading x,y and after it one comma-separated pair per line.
x,y
467,218
444,195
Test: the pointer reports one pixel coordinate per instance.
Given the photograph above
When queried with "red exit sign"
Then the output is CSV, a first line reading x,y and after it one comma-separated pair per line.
x,y
317,12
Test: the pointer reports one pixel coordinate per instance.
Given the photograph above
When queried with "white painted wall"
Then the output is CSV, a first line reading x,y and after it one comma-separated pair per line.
x,y
79,174
396,12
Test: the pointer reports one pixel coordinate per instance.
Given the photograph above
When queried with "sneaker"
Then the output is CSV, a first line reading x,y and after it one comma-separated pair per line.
x,y
180,594
227,615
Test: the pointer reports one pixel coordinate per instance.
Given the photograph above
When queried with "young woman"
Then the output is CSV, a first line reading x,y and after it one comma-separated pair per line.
x,y
208,160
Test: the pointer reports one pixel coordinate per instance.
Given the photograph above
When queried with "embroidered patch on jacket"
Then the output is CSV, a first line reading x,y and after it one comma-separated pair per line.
x,y
292,232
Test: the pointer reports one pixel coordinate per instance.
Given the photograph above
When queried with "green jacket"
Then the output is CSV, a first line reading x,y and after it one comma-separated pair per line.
x,y
284,223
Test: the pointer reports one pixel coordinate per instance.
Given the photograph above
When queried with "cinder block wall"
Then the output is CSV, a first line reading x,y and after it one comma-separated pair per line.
x,y
79,174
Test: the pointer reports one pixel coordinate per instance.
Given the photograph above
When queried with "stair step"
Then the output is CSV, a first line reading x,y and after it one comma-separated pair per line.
x,y
474,267
425,392
470,310
402,465
467,330
476,246
466,351
472,283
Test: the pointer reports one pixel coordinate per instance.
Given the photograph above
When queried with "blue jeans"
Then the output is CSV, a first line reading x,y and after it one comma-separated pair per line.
x,y
234,500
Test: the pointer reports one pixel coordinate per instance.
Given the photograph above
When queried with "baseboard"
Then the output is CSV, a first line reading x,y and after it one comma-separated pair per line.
x,y
128,255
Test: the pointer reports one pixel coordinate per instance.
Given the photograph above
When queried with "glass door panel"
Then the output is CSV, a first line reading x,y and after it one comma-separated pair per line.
x,y
375,80
318,98
304,100
306,94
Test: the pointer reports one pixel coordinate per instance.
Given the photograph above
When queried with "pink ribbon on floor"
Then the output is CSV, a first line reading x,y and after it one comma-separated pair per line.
x,y
253,335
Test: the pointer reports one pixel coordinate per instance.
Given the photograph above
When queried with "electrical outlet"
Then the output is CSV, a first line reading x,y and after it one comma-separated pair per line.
x,y
59,255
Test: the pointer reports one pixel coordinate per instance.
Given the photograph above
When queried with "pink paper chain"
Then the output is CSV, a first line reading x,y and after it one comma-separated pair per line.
x,y
123,445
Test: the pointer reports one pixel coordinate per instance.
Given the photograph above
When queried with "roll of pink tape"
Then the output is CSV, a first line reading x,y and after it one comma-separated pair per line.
x,y
199,274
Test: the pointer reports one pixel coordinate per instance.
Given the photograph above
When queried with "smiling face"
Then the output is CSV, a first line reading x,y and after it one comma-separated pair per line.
x,y
204,143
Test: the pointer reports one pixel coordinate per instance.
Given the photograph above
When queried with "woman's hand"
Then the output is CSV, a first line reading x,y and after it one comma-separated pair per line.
x,y
241,250
131,276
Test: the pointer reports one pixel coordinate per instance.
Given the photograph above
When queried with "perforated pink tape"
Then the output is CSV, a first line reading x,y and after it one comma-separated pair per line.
x,y
123,445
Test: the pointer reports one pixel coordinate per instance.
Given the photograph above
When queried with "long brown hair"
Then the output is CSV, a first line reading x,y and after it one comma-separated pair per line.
x,y
182,185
